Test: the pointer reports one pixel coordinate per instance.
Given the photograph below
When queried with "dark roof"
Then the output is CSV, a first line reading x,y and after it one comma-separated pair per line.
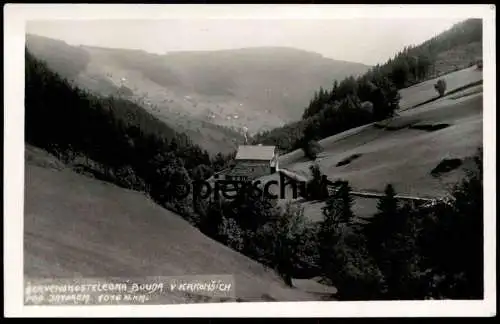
x,y
255,152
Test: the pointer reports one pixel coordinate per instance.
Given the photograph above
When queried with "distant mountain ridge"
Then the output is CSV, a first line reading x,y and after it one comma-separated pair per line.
x,y
257,88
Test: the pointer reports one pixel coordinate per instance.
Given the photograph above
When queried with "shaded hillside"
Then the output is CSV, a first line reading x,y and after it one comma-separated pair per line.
x,y
79,227
69,61
211,137
111,139
259,88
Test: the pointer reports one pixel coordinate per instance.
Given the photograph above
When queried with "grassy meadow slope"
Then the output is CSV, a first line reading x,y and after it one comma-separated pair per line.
x,y
424,91
76,226
402,155
259,88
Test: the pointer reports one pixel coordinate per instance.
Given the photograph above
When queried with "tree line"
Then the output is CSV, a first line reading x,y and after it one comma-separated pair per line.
x,y
403,251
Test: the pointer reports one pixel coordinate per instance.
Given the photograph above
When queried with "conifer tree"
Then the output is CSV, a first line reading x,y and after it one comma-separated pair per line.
x,y
338,207
379,227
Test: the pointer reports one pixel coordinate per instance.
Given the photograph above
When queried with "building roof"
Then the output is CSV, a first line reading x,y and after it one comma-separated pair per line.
x,y
255,152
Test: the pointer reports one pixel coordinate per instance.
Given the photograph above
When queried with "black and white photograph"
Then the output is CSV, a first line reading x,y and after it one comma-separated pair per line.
x,y
246,159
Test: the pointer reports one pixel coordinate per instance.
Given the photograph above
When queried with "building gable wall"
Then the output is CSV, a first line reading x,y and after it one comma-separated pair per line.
x,y
250,168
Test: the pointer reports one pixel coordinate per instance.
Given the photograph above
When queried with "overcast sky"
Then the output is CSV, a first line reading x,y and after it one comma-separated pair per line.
x,y
368,41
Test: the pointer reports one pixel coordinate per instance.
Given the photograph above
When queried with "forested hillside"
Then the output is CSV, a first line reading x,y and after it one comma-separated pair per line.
x,y
374,95
109,138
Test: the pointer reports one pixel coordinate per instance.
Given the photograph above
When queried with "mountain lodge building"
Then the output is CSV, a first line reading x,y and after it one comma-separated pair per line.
x,y
253,161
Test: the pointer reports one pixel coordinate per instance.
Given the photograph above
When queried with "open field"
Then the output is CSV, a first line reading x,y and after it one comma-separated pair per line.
x,y
76,226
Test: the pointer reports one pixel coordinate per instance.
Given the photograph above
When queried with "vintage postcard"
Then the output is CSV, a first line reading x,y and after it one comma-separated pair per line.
x,y
249,160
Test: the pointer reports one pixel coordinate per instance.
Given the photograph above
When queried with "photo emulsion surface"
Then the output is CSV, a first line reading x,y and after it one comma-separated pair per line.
x,y
183,161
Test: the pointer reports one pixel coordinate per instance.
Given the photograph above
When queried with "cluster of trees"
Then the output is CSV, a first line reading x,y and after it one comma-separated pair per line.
x,y
417,63
373,96
404,251
114,139
280,237
375,87
350,103
407,251
284,138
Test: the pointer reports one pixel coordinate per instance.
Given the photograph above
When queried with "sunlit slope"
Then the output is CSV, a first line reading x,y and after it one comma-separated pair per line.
x,y
78,226
421,92
402,154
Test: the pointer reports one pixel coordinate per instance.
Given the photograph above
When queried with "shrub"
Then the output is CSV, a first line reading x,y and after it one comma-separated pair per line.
x,y
311,149
231,234
126,177
307,264
440,87
317,187
201,172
